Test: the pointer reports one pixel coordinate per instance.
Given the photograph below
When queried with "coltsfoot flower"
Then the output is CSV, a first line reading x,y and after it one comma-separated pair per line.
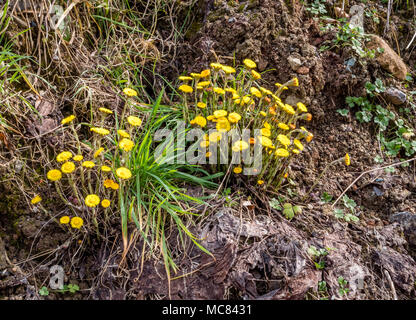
x,y
105,110
134,121
68,119
228,69
92,200
98,152
185,78
266,132
123,173
205,73
204,84
240,146
36,199
200,121
249,63
88,164
64,156
223,124
215,136
260,182
234,117
101,131
64,220
77,222
130,92
220,113
105,168
347,159
301,107
201,105
105,203
185,88
54,175
126,144
78,157
282,153
284,140
68,167
255,92
298,144
237,170
255,75
283,126
123,133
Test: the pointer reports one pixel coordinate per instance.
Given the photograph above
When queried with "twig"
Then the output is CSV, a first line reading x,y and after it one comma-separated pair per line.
x,y
368,171
386,29
393,290
411,41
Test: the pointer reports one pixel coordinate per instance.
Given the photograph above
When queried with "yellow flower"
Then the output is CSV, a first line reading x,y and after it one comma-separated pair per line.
x,y
205,73
230,90
264,114
101,131
220,113
54,175
108,183
123,133
204,144
237,170
123,173
200,121
203,84
223,124
277,84
77,222
255,92
92,200
114,185
298,144
260,182
105,168
309,137
266,142
126,144
216,66
265,91
228,70
289,109
105,110
208,154
282,152
36,199
240,146
246,100
68,167
68,119
296,151
185,78
64,220
283,126
211,118
105,203
215,136
347,159
130,92
284,140
195,75
134,121
219,90
201,105
302,107
88,164
64,156
98,152
78,157
266,132
255,75
234,117
267,125
294,82
249,63
185,88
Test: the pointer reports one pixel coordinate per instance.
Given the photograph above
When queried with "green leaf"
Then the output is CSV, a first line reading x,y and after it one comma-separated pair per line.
x,y
275,204
343,112
326,197
44,291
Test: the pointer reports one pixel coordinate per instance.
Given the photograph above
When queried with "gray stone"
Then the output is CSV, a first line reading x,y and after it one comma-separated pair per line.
x,y
395,96
294,63
408,221
357,17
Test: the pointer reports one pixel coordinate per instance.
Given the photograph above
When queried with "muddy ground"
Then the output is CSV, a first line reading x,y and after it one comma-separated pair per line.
x,y
259,254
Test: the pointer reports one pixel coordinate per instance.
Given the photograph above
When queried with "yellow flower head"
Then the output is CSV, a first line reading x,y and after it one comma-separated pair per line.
x,y
289,109
134,121
105,110
256,75
203,84
294,82
108,183
98,152
216,66
234,117
201,105
266,142
347,159
208,154
64,156
126,144
237,170
282,152
78,157
284,140
309,137
277,84
223,124
54,175
77,222
185,88
215,136
123,133
260,182
266,132
265,91
204,144
36,199
205,73
220,113
255,92
130,92
200,121
68,119
64,220
262,113
185,78
123,173
228,70
211,118
267,125
298,144
105,203
88,164
92,200
219,90
105,168
240,146
296,151
68,167
249,63
302,107
100,131
283,126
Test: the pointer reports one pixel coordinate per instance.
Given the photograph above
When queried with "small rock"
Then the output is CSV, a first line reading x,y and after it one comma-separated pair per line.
x,y
395,96
294,63
408,221
303,70
388,59
357,17
292,100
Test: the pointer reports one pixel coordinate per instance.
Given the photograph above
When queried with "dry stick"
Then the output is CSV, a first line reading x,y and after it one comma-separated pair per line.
x,y
368,171
393,290
411,41
386,29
